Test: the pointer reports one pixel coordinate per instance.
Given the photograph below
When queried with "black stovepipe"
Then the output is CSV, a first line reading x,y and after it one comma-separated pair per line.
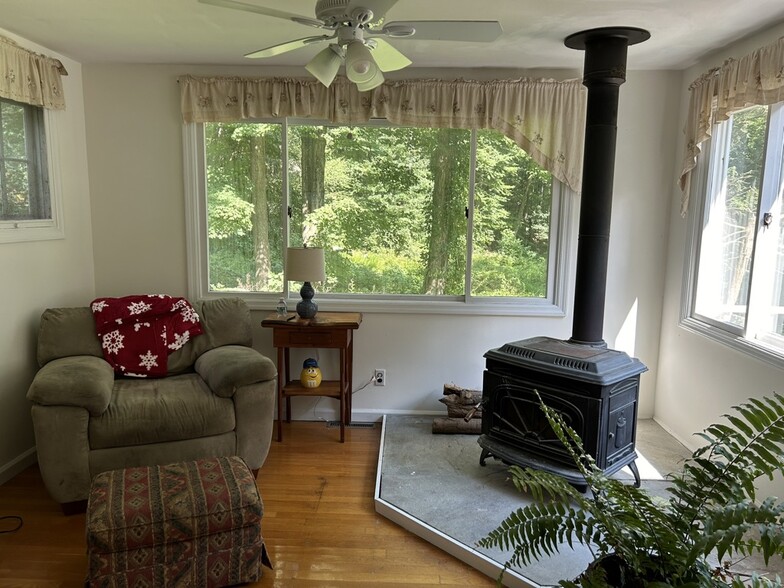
x,y
603,73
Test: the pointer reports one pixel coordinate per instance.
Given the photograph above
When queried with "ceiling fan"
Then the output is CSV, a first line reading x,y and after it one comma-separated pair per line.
x,y
355,30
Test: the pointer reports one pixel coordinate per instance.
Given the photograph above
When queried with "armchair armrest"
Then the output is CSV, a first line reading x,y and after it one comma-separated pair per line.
x,y
83,381
229,367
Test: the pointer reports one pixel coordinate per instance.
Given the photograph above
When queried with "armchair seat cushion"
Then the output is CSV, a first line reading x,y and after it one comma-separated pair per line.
x,y
145,411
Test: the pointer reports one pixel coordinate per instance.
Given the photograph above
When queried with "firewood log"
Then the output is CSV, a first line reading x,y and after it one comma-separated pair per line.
x,y
457,410
447,426
464,395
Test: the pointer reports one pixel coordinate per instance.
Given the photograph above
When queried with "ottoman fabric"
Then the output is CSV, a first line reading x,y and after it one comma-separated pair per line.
x,y
189,524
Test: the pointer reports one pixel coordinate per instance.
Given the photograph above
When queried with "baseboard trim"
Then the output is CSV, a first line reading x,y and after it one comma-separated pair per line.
x,y
314,412
18,464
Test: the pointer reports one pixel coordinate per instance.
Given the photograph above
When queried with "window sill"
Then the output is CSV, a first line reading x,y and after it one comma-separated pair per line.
x,y
755,349
543,308
19,231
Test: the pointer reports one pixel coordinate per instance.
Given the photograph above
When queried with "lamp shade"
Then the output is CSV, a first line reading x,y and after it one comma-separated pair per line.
x,y
374,82
361,68
305,264
325,65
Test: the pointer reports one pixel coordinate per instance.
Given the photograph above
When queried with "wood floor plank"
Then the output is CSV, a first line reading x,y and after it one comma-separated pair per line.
x,y
319,524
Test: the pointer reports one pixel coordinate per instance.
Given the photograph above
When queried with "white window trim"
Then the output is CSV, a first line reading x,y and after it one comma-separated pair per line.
x,y
705,173
42,229
563,226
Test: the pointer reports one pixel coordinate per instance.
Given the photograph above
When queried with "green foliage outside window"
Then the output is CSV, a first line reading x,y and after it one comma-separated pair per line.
x,y
388,205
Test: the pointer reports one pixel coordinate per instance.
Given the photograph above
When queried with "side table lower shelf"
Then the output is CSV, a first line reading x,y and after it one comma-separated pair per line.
x,y
328,389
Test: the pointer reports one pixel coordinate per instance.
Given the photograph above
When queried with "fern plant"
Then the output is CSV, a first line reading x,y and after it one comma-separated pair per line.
x,y
642,540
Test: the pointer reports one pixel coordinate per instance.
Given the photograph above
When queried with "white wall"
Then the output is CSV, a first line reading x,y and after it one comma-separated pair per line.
x,y
41,274
134,147
700,379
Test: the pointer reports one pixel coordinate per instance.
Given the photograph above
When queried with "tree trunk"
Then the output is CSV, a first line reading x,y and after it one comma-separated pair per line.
x,y
260,220
446,210
314,148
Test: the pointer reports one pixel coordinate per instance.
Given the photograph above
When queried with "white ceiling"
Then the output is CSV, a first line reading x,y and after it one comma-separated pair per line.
x,y
187,32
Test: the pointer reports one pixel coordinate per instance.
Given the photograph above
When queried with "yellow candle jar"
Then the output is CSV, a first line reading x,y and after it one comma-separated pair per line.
x,y
310,377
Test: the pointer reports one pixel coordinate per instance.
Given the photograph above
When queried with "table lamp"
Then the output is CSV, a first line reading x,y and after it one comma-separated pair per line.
x,y
305,264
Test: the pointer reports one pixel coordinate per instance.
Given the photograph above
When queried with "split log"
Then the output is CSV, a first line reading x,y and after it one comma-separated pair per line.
x,y
464,395
457,410
445,425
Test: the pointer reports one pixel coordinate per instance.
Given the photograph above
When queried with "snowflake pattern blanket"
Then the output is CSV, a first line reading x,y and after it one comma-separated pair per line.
x,y
138,333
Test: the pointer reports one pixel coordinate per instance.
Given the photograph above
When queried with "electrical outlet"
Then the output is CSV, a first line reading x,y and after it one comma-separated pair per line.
x,y
379,377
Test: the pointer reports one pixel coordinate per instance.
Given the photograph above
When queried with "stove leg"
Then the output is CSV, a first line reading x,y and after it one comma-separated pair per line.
x,y
636,472
485,454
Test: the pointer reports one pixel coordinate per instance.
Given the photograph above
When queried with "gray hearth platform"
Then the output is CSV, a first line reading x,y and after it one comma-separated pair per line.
x,y
433,486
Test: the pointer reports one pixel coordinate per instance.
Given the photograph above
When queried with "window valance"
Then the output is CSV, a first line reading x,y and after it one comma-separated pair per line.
x,y
544,117
29,77
756,78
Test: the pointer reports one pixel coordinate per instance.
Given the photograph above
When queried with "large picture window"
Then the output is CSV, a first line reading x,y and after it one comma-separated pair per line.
x,y
737,288
404,214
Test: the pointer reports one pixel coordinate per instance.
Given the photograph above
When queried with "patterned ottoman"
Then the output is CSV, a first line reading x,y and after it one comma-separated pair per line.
x,y
195,524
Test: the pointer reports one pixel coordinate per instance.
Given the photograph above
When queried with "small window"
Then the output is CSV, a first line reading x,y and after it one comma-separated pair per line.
x,y
26,205
24,181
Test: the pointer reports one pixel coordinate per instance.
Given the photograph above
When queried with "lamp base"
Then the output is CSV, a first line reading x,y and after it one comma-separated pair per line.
x,y
306,308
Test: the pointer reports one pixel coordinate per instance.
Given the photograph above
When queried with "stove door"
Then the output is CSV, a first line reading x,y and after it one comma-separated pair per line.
x,y
513,416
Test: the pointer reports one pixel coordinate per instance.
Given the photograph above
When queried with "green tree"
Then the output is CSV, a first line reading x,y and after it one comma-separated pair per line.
x,y
445,226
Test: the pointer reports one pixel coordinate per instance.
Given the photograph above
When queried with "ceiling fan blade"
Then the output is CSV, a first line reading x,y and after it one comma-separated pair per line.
x,y
477,31
287,46
387,57
379,8
237,5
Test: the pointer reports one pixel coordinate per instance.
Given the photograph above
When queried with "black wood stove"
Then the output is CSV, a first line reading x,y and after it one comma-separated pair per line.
x,y
595,389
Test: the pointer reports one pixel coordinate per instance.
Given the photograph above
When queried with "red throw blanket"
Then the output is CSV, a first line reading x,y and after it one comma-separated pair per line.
x,y
137,333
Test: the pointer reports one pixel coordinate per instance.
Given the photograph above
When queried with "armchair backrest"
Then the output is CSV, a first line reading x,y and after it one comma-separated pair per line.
x,y
65,332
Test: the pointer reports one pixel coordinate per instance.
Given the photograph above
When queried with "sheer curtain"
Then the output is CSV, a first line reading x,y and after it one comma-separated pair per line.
x,y
544,117
29,77
756,78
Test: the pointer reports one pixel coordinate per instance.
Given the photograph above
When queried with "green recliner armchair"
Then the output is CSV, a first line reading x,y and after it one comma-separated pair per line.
x,y
218,399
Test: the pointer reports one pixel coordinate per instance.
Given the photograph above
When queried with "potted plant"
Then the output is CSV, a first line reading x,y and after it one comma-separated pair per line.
x,y
640,540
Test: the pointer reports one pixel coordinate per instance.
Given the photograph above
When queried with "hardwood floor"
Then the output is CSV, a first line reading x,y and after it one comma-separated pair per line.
x,y
319,524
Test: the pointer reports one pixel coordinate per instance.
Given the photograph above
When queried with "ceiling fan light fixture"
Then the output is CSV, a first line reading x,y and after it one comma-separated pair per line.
x,y
325,65
374,82
361,68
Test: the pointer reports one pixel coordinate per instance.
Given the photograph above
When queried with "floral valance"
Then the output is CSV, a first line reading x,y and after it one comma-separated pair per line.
x,y
544,117
757,78
30,78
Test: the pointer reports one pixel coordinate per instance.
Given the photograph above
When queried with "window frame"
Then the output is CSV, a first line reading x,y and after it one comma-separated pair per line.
x,y
768,348
42,229
563,222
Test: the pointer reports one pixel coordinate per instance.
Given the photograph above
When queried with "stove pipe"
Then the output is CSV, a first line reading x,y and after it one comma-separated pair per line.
x,y
604,71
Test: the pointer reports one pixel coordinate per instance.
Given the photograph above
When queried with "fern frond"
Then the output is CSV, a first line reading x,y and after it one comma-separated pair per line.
x,y
571,442
640,527
539,529
541,484
737,456
727,529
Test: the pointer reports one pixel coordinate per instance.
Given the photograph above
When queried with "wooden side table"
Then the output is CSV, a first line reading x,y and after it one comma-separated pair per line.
x,y
325,330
